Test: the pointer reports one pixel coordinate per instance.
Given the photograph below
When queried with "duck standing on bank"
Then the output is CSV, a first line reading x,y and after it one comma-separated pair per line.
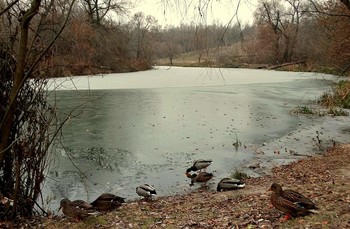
x,y
201,177
199,165
146,191
107,202
291,202
226,184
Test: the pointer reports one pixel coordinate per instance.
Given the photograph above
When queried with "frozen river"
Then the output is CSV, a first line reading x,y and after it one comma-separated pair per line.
x,y
148,127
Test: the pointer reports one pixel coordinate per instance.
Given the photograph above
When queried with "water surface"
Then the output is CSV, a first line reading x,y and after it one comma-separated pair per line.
x,y
148,127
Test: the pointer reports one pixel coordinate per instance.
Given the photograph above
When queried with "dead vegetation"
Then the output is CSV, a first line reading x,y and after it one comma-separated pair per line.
x,y
323,178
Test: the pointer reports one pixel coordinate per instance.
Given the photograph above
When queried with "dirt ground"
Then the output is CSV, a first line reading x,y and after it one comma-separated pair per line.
x,y
324,179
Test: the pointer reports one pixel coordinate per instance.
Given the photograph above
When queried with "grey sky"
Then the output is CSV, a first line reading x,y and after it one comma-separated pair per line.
x,y
177,12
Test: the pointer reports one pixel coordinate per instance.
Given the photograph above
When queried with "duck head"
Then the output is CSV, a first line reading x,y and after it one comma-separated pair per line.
x,y
64,202
191,176
276,188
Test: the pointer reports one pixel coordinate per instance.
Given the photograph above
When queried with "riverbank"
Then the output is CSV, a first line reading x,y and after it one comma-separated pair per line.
x,y
323,178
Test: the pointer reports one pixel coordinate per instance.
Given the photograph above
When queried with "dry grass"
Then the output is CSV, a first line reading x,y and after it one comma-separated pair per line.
x,y
339,96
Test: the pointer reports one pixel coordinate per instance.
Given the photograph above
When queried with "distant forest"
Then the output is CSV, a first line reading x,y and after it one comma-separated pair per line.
x,y
283,31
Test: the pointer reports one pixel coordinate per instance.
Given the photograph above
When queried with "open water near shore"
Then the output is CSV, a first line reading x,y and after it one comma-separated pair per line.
x,y
128,129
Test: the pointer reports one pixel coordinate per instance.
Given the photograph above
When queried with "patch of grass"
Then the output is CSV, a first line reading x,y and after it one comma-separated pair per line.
x,y
239,175
337,112
335,100
95,221
237,143
304,110
339,96
147,223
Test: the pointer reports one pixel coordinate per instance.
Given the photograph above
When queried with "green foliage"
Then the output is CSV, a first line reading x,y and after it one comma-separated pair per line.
x,y
304,110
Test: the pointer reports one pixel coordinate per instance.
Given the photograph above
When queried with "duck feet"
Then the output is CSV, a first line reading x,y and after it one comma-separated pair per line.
x,y
285,218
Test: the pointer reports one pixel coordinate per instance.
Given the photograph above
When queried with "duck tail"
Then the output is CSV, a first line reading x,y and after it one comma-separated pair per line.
x,y
242,185
314,211
94,213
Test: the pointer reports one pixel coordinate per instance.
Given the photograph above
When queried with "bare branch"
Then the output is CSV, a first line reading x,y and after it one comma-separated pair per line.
x,y
8,7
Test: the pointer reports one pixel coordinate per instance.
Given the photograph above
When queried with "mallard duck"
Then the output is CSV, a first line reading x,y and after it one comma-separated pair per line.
x,y
229,184
74,209
107,202
199,165
146,191
291,202
82,204
200,177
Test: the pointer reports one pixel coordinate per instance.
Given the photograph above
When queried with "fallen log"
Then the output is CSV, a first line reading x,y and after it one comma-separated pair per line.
x,y
286,64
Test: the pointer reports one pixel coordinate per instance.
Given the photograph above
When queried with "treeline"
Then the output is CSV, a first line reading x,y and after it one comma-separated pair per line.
x,y
88,47
94,42
201,39
302,30
283,32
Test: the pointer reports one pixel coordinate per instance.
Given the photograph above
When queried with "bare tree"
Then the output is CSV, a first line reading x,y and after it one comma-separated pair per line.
x,y
284,21
145,29
97,10
25,117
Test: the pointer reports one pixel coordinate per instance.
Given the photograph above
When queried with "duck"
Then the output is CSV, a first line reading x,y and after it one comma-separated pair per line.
x,y
229,184
201,177
199,165
291,202
107,202
74,209
146,191
82,204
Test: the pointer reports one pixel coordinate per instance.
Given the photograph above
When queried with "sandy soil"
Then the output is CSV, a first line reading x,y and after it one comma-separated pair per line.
x,y
324,179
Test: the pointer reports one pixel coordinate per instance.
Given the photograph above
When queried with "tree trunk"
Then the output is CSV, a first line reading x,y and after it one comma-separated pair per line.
x,y
18,79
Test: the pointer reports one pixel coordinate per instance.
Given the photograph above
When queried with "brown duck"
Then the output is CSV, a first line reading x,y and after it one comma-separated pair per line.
x,y
82,205
75,209
201,177
291,202
108,202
